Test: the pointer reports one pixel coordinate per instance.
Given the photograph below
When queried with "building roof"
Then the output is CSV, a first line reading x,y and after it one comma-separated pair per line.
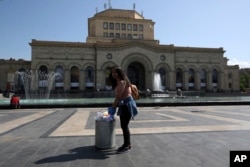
x,y
119,13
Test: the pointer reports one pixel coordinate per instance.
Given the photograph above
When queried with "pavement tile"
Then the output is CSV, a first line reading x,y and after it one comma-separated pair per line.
x,y
192,136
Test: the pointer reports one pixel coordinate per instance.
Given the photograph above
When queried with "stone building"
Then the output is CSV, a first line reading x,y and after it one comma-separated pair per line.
x,y
125,38
8,69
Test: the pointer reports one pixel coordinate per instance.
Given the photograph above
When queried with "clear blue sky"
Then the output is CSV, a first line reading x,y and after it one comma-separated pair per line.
x,y
193,23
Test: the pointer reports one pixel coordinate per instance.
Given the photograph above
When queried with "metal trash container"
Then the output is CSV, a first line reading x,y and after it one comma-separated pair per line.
x,y
105,134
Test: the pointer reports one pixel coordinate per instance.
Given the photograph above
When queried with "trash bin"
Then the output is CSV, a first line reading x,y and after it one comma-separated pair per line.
x,y
105,134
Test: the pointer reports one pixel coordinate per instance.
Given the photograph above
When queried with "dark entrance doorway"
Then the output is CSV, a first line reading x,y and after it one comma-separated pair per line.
x,y
136,74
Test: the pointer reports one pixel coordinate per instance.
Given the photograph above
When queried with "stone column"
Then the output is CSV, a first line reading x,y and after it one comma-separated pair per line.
x,y
221,81
67,80
82,80
209,80
100,79
197,81
172,80
185,80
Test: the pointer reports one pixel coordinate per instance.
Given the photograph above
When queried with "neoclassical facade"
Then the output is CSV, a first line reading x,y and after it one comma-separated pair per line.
x,y
125,38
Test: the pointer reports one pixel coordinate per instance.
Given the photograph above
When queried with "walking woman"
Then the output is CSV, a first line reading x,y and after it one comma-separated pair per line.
x,y
127,108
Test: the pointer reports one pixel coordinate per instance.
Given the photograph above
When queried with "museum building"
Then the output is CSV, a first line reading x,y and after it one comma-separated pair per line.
x,y
118,37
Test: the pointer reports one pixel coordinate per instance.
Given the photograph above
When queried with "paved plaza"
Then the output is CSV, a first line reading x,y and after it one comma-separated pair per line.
x,y
190,136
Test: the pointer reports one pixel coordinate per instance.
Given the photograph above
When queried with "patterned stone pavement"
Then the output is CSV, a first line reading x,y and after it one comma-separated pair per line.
x,y
161,136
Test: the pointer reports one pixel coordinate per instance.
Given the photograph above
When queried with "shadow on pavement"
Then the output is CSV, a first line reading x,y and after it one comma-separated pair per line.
x,y
86,152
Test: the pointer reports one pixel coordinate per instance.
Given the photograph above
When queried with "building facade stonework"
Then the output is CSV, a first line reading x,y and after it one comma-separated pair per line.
x,y
125,38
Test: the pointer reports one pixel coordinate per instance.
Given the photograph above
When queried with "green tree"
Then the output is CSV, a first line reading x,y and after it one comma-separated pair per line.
x,y
244,80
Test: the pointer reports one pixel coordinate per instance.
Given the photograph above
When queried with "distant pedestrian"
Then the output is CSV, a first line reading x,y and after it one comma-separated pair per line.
x,y
15,102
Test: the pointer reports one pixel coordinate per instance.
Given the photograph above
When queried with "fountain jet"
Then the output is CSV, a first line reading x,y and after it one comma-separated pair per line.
x,y
27,81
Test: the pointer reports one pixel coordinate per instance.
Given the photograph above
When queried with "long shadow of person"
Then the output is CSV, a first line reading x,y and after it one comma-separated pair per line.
x,y
86,152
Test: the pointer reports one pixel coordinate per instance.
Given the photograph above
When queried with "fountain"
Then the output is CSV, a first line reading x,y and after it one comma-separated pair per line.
x,y
157,83
158,90
25,83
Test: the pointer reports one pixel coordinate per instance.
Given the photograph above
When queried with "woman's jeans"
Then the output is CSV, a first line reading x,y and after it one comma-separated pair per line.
x,y
125,117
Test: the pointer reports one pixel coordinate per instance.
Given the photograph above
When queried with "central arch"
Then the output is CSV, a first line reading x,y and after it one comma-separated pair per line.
x,y
139,70
136,74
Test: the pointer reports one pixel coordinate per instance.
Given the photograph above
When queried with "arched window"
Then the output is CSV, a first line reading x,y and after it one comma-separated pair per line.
x,y
43,77
179,78
191,79
22,79
59,78
21,70
203,79
74,78
215,76
191,76
90,74
43,70
215,79
163,77
89,81
108,71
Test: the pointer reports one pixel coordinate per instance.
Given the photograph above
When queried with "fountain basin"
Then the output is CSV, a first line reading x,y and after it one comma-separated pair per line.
x,y
142,102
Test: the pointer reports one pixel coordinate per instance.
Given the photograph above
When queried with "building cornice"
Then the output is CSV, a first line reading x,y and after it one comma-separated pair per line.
x,y
60,44
120,44
199,49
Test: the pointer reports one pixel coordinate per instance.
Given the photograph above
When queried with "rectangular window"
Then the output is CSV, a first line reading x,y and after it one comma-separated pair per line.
x,y
105,25
111,35
123,36
111,26
117,35
135,27
140,27
117,26
123,26
129,36
129,27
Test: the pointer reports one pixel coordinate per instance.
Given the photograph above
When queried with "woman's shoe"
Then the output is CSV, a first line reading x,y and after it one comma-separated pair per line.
x,y
124,149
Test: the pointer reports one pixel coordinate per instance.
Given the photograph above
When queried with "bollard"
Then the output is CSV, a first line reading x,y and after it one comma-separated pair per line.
x,y
105,134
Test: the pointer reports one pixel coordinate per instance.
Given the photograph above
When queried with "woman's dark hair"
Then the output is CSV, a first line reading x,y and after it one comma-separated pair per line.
x,y
112,81
121,75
